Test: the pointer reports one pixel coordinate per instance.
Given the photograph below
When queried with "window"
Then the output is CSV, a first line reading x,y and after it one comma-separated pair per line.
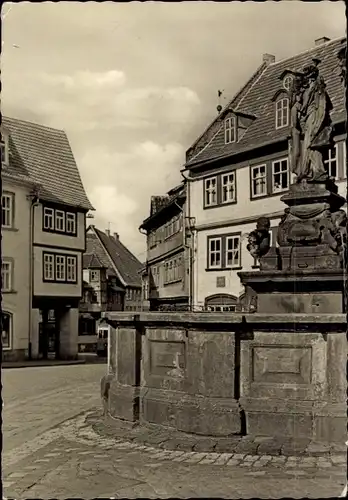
x,y
48,218
330,162
48,267
6,330
280,175
258,181
71,269
173,270
6,276
282,113
214,252
60,220
70,223
4,149
221,303
287,82
94,275
173,226
220,189
224,252
7,200
230,130
60,268
152,239
210,191
228,188
233,251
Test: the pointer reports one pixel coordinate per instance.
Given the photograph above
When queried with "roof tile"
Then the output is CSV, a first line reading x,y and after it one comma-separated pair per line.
x,y
258,101
43,154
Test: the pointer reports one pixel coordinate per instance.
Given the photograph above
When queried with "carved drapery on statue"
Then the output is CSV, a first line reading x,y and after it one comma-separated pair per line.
x,y
312,231
311,129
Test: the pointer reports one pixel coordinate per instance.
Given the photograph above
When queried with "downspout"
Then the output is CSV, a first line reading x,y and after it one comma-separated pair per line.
x,y
190,248
34,203
144,232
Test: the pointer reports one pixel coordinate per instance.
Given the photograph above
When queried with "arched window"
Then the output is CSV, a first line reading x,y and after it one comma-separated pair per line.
x,y
282,112
222,302
6,330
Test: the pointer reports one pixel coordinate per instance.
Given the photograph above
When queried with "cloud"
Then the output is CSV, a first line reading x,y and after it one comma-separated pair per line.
x,y
120,184
86,80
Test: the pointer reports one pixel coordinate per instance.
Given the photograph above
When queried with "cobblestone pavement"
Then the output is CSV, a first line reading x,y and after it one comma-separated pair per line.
x,y
72,460
40,398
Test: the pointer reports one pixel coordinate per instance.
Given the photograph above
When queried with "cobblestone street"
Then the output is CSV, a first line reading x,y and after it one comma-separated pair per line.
x,y
48,456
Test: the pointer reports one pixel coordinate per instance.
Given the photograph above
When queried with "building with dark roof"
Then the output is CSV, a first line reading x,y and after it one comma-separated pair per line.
x,y
122,278
238,169
44,208
166,275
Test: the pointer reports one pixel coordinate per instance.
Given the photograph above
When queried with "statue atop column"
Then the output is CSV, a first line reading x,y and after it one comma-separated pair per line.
x,y
311,233
310,107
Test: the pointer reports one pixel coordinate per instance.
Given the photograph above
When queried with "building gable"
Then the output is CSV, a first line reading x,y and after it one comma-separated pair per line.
x,y
258,101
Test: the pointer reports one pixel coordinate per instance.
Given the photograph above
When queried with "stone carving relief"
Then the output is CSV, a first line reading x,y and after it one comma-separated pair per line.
x,y
311,129
259,240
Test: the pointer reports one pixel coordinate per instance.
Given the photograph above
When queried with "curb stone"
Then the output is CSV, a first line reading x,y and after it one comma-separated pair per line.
x,y
173,440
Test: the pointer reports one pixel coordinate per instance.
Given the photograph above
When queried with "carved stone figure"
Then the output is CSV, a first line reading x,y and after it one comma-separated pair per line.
x,y
259,239
310,125
343,64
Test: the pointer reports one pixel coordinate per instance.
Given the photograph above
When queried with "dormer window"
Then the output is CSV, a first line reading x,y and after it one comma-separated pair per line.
x,y
287,82
230,130
282,113
4,149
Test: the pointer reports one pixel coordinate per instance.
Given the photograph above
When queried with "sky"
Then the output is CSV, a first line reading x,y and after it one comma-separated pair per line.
x,y
135,84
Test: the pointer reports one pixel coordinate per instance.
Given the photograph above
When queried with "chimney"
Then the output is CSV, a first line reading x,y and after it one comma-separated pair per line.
x,y
107,232
116,236
268,58
320,41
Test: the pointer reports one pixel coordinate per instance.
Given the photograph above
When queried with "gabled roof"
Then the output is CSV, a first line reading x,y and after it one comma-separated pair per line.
x,y
114,256
176,193
91,260
43,155
258,101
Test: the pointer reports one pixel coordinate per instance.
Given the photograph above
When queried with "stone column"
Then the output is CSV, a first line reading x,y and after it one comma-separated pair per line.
x,y
68,328
35,320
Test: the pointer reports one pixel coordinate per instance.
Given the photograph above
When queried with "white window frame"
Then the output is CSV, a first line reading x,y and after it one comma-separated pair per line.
x,y
4,149
60,215
237,264
71,265
7,212
222,308
214,252
282,113
209,191
6,275
50,215
253,169
70,223
10,337
49,261
226,183
331,160
230,130
280,161
286,85
60,260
